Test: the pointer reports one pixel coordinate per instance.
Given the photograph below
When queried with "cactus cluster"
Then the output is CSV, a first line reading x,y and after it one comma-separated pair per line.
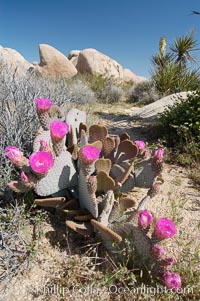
x,y
84,172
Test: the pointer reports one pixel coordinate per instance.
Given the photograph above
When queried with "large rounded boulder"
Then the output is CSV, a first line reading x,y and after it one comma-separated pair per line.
x,y
54,64
94,62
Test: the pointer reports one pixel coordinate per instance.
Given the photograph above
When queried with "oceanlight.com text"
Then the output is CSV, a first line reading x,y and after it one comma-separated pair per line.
x,y
112,289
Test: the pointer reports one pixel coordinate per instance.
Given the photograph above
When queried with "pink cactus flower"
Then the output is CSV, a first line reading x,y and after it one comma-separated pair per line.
x,y
145,218
140,144
90,153
41,162
164,228
158,154
58,130
157,251
15,155
43,104
172,281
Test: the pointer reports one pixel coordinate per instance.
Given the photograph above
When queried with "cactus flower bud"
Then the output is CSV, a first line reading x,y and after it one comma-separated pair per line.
x,y
167,262
43,104
90,153
27,179
145,218
23,177
41,162
172,281
58,130
140,144
164,228
157,251
15,155
44,146
158,154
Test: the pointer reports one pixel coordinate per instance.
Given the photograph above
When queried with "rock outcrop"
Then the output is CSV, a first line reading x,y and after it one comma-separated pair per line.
x,y
152,110
94,62
129,76
54,64
73,56
73,53
14,61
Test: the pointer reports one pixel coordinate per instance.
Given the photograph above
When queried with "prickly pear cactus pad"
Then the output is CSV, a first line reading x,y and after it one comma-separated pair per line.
x,y
84,172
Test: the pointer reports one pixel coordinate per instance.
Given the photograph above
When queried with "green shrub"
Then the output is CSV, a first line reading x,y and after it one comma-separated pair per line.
x,y
180,124
106,89
143,93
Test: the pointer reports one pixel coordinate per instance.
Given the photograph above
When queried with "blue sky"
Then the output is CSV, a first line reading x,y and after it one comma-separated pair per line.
x,y
128,30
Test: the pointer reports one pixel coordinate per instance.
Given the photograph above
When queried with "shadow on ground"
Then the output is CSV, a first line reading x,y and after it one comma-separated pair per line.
x,y
117,124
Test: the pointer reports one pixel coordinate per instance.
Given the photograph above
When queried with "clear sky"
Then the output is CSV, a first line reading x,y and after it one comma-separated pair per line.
x,y
126,30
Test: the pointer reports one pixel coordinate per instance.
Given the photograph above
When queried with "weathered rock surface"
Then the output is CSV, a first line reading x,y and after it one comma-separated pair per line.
x,y
53,63
73,56
73,53
152,110
128,76
14,61
94,62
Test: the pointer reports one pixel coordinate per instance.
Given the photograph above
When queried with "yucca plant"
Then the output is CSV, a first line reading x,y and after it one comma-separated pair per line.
x,y
173,70
182,49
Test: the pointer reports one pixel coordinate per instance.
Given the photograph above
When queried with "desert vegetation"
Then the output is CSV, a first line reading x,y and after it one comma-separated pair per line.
x,y
94,231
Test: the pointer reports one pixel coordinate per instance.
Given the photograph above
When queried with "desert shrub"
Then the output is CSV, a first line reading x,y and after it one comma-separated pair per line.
x,y
143,93
18,118
111,93
80,92
106,89
180,124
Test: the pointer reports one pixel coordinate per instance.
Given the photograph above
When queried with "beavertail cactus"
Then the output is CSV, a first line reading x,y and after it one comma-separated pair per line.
x,y
97,168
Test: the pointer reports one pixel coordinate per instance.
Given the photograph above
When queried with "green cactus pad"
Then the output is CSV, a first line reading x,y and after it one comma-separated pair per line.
x,y
42,135
107,205
108,146
87,200
117,172
56,202
137,238
83,139
106,233
126,203
62,175
82,127
103,165
144,174
97,132
84,229
126,150
124,136
104,182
